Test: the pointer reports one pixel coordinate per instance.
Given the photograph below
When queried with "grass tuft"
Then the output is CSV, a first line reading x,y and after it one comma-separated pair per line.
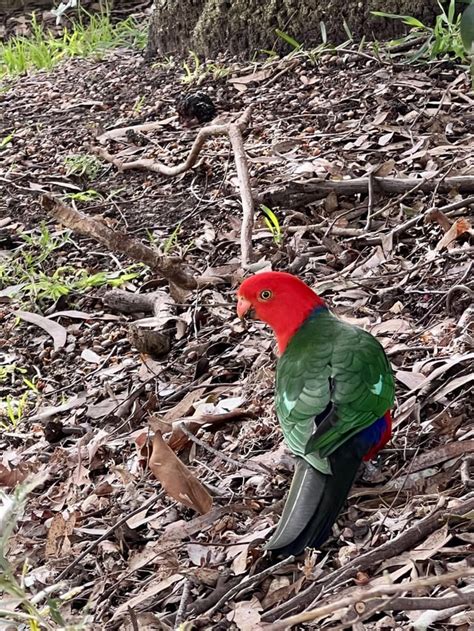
x,y
43,50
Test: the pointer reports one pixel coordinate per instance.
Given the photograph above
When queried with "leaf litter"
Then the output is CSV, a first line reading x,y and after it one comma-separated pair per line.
x,y
113,428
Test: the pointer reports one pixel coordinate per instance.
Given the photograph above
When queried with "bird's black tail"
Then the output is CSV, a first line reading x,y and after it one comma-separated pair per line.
x,y
315,500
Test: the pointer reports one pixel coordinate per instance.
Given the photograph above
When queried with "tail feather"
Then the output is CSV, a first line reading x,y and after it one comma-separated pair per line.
x,y
310,511
301,504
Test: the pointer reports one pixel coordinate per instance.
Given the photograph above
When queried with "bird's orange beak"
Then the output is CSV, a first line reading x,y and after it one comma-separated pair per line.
x,y
244,306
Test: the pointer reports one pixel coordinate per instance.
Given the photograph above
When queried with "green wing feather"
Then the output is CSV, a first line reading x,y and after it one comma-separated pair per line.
x,y
330,365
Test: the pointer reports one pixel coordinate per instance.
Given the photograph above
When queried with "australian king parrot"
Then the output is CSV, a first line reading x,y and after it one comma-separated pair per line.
x,y
334,391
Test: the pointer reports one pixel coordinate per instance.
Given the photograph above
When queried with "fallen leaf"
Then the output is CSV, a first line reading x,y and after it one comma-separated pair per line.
x,y
151,591
90,356
74,402
246,614
55,330
385,169
179,530
452,385
437,216
184,407
239,553
459,227
176,478
254,77
178,439
197,554
57,541
10,477
410,379
393,325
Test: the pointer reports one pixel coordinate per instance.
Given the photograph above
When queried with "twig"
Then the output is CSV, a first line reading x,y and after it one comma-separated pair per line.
x,y
152,165
219,454
133,618
106,534
280,73
411,537
225,583
247,583
370,202
466,477
237,142
366,595
183,604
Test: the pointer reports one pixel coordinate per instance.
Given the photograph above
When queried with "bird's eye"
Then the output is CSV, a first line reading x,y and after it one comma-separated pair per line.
x,y
266,294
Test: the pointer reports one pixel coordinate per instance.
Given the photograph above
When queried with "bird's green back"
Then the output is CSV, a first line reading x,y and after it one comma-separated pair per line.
x,y
335,370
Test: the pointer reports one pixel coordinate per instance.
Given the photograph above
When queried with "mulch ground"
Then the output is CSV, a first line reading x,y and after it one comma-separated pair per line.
x,y
406,275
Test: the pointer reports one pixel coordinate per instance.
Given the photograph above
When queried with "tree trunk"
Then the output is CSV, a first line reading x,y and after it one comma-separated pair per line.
x,y
242,27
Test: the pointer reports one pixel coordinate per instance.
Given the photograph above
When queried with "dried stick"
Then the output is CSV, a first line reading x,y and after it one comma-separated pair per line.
x,y
234,132
297,193
219,454
171,268
183,604
247,583
370,203
157,167
405,541
107,534
237,142
365,596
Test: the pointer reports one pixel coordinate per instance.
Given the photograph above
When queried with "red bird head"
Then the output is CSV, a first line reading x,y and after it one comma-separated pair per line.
x,y
281,300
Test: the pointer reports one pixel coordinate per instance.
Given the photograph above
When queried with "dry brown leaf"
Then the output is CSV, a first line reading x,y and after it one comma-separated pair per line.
x,y
394,325
425,550
281,589
459,227
253,77
10,477
184,407
179,530
246,614
152,591
178,439
385,169
437,216
410,379
176,478
57,541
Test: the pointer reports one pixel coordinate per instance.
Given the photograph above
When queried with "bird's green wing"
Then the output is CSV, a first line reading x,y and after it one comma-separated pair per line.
x,y
332,381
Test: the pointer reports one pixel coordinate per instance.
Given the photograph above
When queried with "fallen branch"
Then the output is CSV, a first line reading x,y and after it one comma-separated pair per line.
x,y
403,542
301,193
367,595
371,239
234,132
171,268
